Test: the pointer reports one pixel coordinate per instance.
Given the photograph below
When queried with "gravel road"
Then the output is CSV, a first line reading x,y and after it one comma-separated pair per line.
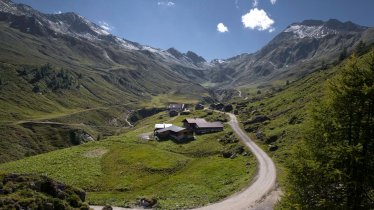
x,y
262,193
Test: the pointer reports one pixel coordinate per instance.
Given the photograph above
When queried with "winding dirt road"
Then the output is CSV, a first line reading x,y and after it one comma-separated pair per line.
x,y
261,194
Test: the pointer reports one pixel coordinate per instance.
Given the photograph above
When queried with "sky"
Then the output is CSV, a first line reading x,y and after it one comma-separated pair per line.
x,y
211,28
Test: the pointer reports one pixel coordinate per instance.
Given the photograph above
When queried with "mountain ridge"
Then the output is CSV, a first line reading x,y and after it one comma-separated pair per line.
x,y
87,67
63,69
298,50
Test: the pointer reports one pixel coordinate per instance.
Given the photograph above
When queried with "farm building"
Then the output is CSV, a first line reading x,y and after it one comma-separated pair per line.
x,y
175,109
199,107
201,126
175,132
162,126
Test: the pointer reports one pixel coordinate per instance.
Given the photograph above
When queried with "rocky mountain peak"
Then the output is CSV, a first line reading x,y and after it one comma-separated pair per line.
x,y
26,19
194,57
343,26
318,29
175,53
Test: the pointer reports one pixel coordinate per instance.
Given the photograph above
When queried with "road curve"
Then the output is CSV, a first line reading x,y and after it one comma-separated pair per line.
x,y
262,185
255,196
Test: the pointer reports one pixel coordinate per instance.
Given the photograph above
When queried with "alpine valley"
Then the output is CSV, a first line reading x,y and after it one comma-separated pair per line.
x,y
65,81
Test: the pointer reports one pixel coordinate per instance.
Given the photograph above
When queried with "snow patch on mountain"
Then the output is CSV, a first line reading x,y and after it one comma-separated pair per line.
x,y
125,44
8,8
77,26
151,49
303,31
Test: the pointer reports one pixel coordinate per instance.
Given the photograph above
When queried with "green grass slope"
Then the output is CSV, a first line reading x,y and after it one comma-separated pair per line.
x,y
69,81
288,111
122,169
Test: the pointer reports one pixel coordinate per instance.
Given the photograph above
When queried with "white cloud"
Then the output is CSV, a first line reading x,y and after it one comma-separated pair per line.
x,y
273,1
271,30
58,12
166,3
222,28
104,25
255,3
257,19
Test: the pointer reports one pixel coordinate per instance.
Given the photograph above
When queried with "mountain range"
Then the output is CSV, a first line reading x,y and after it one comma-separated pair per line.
x,y
63,63
296,51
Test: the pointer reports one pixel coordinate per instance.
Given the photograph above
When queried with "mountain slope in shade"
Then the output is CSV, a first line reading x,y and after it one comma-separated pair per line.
x,y
73,26
69,40
64,79
297,51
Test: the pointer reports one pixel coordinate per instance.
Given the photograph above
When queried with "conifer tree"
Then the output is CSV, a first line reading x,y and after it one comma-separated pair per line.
x,y
334,167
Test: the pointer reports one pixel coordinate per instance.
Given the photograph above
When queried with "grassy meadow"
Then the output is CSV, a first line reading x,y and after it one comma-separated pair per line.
x,y
119,170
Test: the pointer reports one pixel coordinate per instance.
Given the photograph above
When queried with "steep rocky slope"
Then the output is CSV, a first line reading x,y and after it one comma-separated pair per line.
x,y
62,76
298,50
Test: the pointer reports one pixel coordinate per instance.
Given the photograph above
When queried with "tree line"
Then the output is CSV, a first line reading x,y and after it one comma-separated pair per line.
x,y
46,78
333,167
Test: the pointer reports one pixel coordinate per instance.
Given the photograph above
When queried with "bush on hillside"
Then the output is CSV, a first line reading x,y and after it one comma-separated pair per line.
x,y
28,191
45,78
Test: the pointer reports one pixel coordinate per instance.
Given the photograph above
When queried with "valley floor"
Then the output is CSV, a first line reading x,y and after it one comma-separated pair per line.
x,y
122,169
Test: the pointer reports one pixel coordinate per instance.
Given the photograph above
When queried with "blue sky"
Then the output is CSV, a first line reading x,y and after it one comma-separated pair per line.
x,y
247,25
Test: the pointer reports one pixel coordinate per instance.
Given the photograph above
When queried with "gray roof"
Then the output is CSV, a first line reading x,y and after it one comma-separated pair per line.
x,y
195,120
202,123
161,126
210,125
176,106
173,128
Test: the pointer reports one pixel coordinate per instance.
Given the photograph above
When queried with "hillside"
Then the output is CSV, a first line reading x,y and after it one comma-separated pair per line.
x,y
23,191
55,68
298,50
123,169
285,114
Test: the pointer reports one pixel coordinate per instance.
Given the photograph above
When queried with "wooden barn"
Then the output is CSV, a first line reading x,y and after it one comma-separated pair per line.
x,y
175,132
201,126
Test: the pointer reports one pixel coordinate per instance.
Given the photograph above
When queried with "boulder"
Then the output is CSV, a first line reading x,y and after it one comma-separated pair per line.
x,y
107,207
227,154
147,202
199,107
273,148
260,135
239,149
271,139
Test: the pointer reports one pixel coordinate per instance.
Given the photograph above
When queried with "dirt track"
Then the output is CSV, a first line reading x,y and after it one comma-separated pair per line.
x,y
261,194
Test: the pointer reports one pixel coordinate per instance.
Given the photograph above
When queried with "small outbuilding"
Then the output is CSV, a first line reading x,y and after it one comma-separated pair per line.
x,y
176,107
175,132
199,107
162,126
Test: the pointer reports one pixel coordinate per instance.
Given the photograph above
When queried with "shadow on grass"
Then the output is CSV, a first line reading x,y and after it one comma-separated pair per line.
x,y
183,141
